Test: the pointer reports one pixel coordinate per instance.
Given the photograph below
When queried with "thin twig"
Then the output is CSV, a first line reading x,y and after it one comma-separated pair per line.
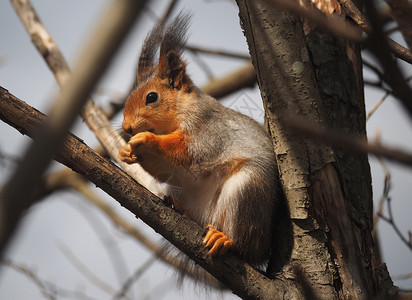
x,y
109,244
402,277
136,275
32,275
401,10
386,189
374,69
48,289
356,15
379,46
377,105
85,271
390,219
204,66
217,52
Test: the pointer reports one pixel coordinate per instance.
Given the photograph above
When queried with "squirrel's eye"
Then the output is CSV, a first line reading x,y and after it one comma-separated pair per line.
x,y
151,97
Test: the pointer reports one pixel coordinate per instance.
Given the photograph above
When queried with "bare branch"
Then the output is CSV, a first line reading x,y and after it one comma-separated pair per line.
x,y
48,289
378,45
350,143
375,70
168,11
32,275
402,13
386,189
136,275
377,105
203,65
402,277
217,52
391,220
242,78
83,269
353,12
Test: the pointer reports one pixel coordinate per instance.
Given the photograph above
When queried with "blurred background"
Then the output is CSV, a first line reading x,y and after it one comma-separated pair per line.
x,y
64,238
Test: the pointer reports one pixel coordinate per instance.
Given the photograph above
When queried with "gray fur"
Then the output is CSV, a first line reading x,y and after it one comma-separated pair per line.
x,y
220,135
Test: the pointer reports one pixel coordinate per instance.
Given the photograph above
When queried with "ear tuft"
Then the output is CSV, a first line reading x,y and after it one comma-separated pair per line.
x,y
171,65
172,40
146,65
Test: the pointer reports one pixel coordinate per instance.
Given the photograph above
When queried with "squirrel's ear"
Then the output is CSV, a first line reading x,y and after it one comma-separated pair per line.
x,y
173,68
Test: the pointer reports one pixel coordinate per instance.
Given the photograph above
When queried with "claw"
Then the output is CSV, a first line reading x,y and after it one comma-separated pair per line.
x,y
218,242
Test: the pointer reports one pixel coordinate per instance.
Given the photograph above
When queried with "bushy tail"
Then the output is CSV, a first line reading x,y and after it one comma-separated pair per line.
x,y
187,269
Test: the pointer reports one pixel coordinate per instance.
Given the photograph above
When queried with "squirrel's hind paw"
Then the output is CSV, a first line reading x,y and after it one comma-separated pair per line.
x,y
218,242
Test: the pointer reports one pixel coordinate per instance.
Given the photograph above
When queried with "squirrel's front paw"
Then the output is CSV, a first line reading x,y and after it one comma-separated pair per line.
x,y
130,152
217,241
126,155
140,139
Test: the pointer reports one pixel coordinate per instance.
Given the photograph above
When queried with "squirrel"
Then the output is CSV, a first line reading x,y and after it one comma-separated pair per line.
x,y
222,160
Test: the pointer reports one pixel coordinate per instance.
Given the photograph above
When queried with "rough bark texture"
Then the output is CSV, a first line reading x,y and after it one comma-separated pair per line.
x,y
328,191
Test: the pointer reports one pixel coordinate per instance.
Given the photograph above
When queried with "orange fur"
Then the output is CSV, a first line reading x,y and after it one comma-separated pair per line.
x,y
172,146
160,118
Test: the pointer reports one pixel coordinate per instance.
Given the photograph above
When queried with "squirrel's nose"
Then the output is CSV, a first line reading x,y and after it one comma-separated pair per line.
x,y
127,128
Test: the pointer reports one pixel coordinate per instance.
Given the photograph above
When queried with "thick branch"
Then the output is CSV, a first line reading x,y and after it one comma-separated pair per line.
x,y
178,229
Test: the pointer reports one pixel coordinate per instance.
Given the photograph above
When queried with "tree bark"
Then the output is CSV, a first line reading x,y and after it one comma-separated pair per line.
x,y
328,191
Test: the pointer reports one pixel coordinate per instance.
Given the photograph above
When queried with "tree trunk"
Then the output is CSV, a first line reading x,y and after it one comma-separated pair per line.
x,y
318,78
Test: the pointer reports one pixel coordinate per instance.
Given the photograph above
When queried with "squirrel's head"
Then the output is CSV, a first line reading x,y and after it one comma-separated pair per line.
x,y
162,86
